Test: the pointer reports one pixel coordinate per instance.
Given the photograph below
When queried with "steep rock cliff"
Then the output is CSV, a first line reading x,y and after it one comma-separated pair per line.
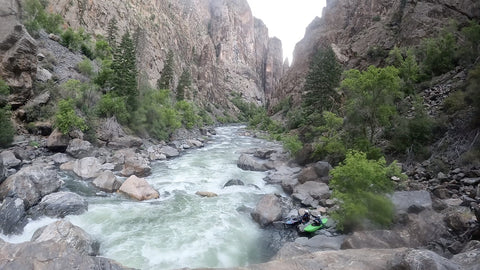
x,y
18,54
219,41
355,27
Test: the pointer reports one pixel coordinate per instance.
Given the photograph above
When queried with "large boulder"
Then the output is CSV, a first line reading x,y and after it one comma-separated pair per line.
x,y
107,181
322,168
57,141
169,151
61,204
47,255
138,188
135,164
249,163
422,259
268,210
405,200
31,183
281,174
88,167
112,133
468,260
308,174
65,232
9,160
78,148
12,216
419,230
234,182
311,192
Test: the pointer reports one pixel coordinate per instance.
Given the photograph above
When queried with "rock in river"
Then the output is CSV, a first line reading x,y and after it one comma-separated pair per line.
x,y
138,188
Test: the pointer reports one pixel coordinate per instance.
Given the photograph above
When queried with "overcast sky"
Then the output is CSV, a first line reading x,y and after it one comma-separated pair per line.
x,y
287,19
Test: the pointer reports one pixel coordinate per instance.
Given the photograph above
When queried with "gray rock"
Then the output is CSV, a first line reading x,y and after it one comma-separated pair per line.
x,y
9,160
282,173
169,151
12,216
60,158
57,141
403,200
65,232
289,184
107,182
138,188
43,75
61,204
48,255
78,148
422,259
234,182
310,192
308,174
31,183
88,167
264,153
322,168
469,260
249,163
268,210
135,165
321,242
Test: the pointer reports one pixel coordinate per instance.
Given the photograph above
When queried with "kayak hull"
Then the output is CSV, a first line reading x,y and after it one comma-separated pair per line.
x,y
313,228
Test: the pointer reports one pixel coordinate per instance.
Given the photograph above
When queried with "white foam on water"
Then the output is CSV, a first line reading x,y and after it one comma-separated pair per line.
x,y
182,229
28,231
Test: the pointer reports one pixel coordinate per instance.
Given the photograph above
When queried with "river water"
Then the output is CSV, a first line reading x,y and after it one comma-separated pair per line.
x,y
181,229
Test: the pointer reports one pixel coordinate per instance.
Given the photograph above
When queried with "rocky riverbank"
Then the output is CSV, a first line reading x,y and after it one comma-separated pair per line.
x,y
31,187
431,227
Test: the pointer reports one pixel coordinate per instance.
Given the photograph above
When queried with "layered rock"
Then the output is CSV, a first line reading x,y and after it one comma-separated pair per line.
x,y
354,28
218,41
18,54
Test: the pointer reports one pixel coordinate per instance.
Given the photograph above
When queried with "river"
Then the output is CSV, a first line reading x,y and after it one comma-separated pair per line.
x,y
181,229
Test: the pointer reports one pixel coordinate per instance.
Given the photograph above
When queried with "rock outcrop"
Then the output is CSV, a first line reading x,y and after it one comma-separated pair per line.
x,y
18,54
358,29
225,49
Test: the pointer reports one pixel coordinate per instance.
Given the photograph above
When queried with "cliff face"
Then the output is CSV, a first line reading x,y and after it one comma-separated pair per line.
x,y
218,41
18,54
355,27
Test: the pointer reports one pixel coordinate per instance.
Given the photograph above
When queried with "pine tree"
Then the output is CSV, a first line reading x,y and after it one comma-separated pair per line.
x,y
112,31
323,77
125,71
165,81
184,84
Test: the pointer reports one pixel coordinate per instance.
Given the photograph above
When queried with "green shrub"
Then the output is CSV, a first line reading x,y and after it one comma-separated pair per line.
x,y
66,119
187,114
437,55
110,105
85,67
35,18
4,88
7,131
454,102
360,186
292,144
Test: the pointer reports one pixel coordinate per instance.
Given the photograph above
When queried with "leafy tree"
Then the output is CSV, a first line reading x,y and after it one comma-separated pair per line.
x,y
371,99
437,55
165,81
470,46
184,85
125,72
66,119
35,17
360,186
104,77
7,131
329,145
103,49
187,114
323,77
292,144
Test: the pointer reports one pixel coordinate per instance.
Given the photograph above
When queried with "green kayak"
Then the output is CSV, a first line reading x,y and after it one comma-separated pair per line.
x,y
316,226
